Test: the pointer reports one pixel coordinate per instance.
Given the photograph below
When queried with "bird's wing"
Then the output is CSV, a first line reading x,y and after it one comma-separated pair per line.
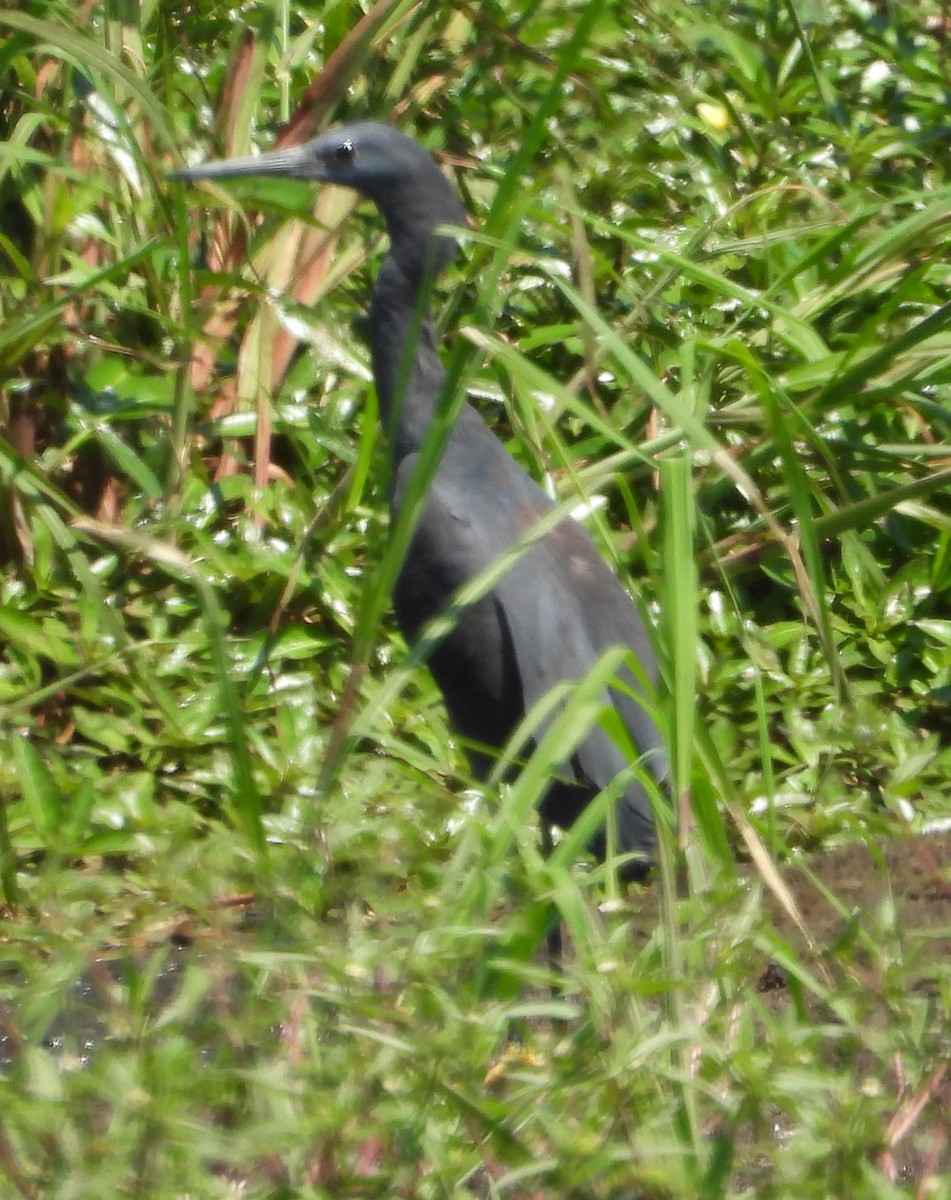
x,y
565,608
556,639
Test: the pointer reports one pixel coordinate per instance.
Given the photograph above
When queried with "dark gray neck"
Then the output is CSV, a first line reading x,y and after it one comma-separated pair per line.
x,y
406,366
407,369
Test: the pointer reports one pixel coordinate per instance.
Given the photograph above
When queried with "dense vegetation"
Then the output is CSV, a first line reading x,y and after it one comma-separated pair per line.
x,y
259,935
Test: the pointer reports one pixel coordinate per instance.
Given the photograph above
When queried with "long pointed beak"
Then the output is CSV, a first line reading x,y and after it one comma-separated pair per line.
x,y
296,162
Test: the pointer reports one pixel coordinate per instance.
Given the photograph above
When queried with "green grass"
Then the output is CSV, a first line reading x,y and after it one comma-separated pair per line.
x,y
706,291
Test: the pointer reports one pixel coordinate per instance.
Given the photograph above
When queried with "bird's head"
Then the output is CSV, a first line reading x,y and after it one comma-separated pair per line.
x,y
382,164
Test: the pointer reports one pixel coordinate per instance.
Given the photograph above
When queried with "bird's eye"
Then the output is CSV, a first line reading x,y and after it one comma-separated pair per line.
x,y
345,151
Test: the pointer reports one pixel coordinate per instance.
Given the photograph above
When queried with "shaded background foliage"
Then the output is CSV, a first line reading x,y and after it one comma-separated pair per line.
x,y
706,294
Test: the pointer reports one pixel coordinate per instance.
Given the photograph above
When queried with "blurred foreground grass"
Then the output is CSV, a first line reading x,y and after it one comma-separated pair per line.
x,y
708,278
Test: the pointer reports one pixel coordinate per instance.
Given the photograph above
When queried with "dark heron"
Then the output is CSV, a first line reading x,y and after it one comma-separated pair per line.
x,y
558,608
